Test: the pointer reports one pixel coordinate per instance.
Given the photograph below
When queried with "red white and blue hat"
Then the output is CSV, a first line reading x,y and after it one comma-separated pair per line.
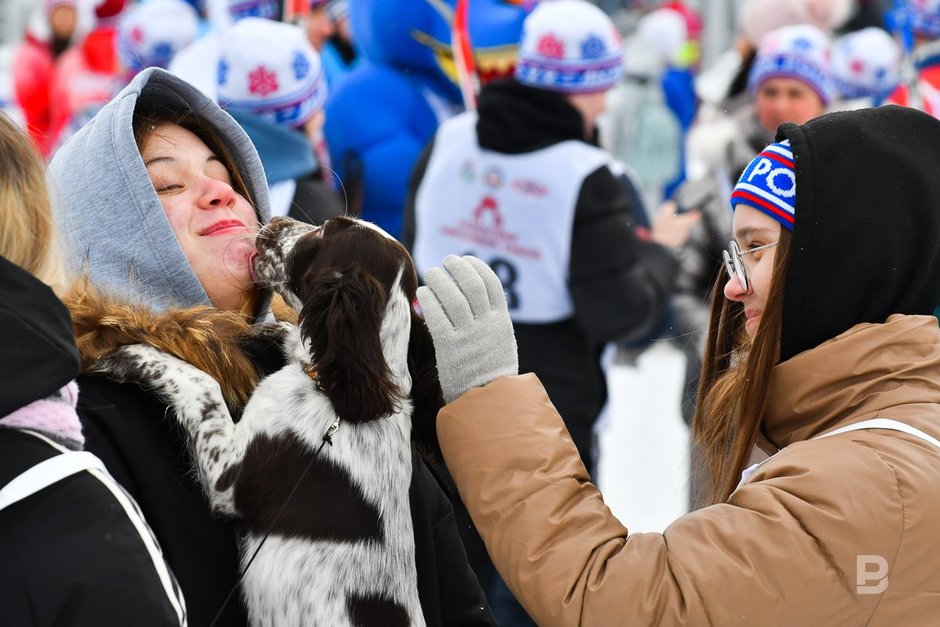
x,y
866,63
269,69
268,9
769,184
801,52
151,33
569,46
925,17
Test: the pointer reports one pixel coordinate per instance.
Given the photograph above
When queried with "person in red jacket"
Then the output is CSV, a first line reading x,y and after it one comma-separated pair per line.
x,y
86,76
46,38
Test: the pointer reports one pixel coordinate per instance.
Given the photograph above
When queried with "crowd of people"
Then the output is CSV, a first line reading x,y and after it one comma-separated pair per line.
x,y
580,186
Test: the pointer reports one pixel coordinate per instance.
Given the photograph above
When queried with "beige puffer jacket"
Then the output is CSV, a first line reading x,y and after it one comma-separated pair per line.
x,y
833,531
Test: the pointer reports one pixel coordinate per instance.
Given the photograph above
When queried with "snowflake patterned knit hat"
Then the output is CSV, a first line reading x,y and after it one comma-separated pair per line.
x,y
801,52
866,62
268,9
270,69
924,16
149,34
569,46
768,184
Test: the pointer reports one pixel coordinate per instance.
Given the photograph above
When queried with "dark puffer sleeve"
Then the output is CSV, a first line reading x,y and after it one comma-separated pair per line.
x,y
620,284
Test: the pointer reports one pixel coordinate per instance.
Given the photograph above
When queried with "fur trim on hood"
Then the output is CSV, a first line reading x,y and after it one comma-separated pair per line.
x,y
210,339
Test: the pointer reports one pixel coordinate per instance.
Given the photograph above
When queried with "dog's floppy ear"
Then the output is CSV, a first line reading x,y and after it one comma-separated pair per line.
x,y
342,317
426,394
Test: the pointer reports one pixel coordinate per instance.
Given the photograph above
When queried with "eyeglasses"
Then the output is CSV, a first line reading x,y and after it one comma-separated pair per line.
x,y
734,262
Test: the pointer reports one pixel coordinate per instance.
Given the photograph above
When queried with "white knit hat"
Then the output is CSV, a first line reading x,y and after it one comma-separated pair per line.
x,y
51,4
270,69
801,52
269,9
925,17
664,32
757,18
866,63
569,46
150,33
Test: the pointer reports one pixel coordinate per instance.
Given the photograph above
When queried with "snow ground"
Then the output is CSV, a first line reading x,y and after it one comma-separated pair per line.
x,y
644,464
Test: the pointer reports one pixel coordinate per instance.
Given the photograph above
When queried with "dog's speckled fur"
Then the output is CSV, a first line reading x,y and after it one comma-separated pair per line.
x,y
342,552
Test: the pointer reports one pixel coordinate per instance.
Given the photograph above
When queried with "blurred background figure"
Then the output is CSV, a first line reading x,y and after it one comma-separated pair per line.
x,y
126,38
722,86
406,83
318,23
151,33
638,127
917,22
272,82
198,63
340,53
87,75
791,78
50,31
866,67
679,79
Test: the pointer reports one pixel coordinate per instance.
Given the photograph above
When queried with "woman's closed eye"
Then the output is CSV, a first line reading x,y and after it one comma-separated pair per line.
x,y
167,187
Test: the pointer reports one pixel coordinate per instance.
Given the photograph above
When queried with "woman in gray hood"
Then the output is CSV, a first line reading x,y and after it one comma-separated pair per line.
x,y
160,197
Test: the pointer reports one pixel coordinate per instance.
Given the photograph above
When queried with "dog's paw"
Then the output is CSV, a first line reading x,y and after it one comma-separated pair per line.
x,y
137,363
154,369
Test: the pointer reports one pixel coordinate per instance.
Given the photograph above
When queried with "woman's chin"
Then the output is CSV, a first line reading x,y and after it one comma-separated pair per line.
x,y
750,326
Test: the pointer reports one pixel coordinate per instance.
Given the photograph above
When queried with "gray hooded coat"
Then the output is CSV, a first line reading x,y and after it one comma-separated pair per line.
x,y
115,227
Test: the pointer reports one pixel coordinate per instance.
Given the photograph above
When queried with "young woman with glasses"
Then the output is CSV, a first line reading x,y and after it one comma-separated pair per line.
x,y
822,354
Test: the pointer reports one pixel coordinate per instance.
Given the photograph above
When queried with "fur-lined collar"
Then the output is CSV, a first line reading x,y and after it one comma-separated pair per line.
x,y
210,339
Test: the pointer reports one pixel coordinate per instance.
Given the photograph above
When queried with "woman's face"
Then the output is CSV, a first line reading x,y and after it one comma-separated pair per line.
x,y
320,27
753,228
215,225
783,99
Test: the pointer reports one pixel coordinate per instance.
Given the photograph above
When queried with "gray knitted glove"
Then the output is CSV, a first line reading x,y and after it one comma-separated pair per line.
x,y
469,322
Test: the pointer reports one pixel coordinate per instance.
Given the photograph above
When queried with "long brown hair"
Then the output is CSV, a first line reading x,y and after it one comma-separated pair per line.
x,y
733,387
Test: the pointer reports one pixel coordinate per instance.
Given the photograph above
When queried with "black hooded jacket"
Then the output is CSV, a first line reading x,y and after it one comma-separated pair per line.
x,y
619,284
69,554
127,426
866,224
36,335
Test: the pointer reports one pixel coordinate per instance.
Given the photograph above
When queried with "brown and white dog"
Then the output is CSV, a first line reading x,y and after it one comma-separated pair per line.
x,y
342,551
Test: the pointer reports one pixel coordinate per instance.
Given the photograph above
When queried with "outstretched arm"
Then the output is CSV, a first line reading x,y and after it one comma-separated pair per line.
x,y
783,550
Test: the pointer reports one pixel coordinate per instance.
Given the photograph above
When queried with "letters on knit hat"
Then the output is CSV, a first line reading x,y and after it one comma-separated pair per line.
x,y
769,184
